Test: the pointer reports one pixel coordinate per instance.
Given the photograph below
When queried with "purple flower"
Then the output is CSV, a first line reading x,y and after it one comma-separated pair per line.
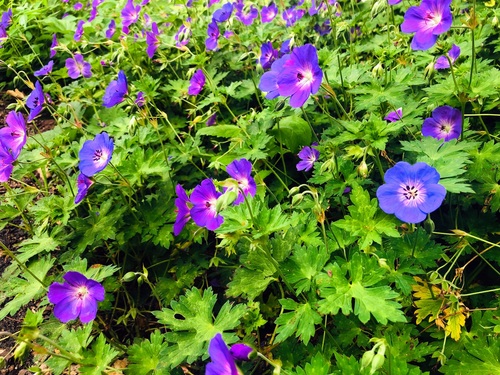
x,y
301,75
76,297
445,123
77,67
53,46
116,91
111,29
78,6
213,35
241,171
79,31
442,61
323,29
393,2
285,46
13,136
228,34
308,156
292,15
212,120
152,40
241,352
95,154
395,115
130,15
183,34
269,80
427,21
35,101
212,2
43,71
411,191
6,167
267,14
204,200
222,361
140,101
93,14
6,19
83,183
267,55
182,208
246,18
196,83
223,14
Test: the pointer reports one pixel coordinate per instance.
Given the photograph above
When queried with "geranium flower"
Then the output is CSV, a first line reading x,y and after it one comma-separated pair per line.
x,y
6,167
152,40
411,191
196,83
241,352
393,2
301,75
445,123
223,14
53,46
394,115
292,15
116,91
212,120
13,136
78,6
204,200
269,80
443,63
140,101
77,67
95,154
267,55
285,46
308,156
6,19
130,15
93,14
182,208
213,36
79,31
183,34
43,71
83,183
241,171
35,101
223,358
267,14
76,298
323,29
427,21
246,18
110,31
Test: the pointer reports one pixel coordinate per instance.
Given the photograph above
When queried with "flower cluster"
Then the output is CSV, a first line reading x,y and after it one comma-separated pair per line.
x,y
201,206
296,75
12,140
223,358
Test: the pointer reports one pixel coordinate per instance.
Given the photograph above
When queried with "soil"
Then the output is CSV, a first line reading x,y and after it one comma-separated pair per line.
x,y
11,236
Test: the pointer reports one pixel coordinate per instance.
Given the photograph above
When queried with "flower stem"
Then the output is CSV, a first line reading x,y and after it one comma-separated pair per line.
x,y
21,264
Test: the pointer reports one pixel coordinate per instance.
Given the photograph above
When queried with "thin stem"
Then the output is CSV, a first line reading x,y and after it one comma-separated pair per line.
x,y
21,264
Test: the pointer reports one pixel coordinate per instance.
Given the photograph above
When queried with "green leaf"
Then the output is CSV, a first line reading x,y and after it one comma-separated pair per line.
x,y
301,321
145,357
293,132
319,365
191,324
97,360
223,131
365,221
36,245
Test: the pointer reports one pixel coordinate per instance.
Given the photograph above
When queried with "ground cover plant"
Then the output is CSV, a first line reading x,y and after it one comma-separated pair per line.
x,y
292,187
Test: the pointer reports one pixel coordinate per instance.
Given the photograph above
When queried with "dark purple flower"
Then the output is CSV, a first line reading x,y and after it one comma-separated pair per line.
x,y
196,83
182,208
267,55
152,40
3,36
35,101
95,154
183,34
323,29
111,29
6,167
130,15
228,34
116,91
140,101
241,352
79,31
394,115
77,67
83,183
78,6
6,19
212,120
43,71
241,171
292,15
222,361
411,191
248,17
93,14
204,200
445,123
427,21
269,80
13,136
267,14
308,156
442,61
213,36
285,46
53,46
76,298
301,75
223,14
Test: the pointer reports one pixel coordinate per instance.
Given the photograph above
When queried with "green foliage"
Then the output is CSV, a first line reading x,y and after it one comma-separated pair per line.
x,y
301,321
96,360
146,356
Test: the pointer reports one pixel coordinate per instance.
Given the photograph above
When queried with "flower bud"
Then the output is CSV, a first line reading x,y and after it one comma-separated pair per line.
x,y
494,21
377,362
367,358
241,352
429,70
363,169
378,71
129,276
429,225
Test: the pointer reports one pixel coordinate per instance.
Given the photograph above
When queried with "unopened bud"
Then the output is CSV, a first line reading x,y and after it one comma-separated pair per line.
x,y
377,362
494,21
429,225
367,358
429,70
363,169
129,276
378,71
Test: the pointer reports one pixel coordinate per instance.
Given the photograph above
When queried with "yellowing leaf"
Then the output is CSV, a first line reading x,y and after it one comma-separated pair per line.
x,y
456,320
422,290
